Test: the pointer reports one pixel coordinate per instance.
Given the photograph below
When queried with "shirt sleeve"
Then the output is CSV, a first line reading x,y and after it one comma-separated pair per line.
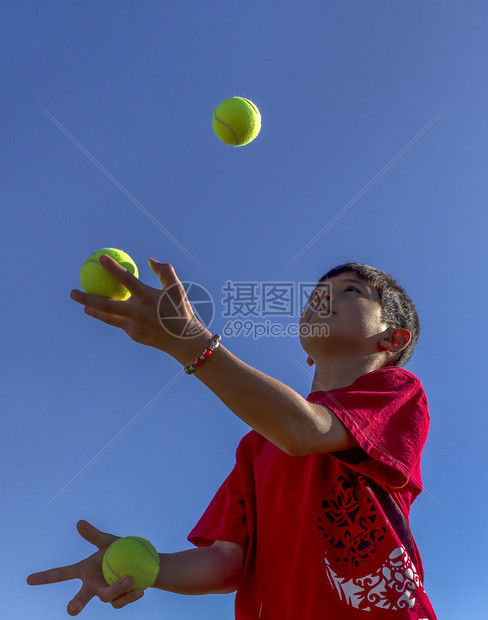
x,y
387,412
225,516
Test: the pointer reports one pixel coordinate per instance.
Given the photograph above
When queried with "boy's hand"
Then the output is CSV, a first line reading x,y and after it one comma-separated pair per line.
x,y
89,571
161,319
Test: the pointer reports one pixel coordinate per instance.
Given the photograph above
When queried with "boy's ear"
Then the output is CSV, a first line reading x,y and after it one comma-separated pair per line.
x,y
310,361
399,338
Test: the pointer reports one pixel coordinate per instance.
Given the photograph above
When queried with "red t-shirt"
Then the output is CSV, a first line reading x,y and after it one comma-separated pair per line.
x,y
327,536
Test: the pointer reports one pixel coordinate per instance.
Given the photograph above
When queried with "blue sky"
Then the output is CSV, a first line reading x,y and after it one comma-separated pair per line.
x,y
343,88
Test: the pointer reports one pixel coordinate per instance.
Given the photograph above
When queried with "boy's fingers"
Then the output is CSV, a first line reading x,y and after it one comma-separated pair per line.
x,y
74,607
110,306
116,590
53,575
80,601
115,594
120,273
126,599
109,319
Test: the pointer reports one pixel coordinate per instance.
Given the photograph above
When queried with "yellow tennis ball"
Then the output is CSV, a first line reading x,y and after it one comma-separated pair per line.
x,y
96,281
236,121
131,556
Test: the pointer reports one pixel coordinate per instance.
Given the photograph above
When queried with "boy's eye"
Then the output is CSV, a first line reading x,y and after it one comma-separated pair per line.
x,y
354,287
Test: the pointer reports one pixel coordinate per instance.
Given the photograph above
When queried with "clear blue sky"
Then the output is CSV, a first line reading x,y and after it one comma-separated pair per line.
x,y
343,88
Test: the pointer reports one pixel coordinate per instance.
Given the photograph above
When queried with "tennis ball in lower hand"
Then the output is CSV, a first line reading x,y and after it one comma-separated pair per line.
x,y
96,281
131,556
236,121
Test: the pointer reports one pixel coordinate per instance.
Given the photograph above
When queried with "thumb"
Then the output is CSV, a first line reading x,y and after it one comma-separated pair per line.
x,y
154,264
170,281
93,535
164,271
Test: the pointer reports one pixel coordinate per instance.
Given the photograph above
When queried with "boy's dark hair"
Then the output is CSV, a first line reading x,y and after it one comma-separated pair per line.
x,y
397,307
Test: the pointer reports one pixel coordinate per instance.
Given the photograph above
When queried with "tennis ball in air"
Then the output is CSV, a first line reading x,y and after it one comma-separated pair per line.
x,y
236,121
131,556
96,281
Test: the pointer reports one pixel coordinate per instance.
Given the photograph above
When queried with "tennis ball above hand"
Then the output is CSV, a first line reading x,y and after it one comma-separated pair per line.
x,y
236,121
96,281
134,557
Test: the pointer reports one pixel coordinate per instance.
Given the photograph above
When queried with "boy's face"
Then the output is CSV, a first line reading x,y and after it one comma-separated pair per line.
x,y
348,311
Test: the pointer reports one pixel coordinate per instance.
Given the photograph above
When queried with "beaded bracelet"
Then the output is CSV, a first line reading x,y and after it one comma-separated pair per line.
x,y
198,361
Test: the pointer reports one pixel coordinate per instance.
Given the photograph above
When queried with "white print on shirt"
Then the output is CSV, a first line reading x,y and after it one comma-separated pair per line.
x,y
392,586
355,532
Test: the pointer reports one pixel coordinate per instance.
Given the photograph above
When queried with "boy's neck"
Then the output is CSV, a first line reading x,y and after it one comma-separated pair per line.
x,y
334,374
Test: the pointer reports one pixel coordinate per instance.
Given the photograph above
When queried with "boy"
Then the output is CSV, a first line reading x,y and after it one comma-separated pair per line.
x,y
312,522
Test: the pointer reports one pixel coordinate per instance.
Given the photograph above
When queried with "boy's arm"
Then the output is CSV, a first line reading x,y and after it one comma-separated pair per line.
x,y
274,410
270,407
204,570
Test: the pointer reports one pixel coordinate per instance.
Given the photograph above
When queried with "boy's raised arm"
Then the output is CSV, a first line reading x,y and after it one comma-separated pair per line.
x,y
155,318
270,407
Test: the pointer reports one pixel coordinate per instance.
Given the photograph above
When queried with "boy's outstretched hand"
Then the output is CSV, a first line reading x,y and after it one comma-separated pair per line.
x,y
163,319
89,571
